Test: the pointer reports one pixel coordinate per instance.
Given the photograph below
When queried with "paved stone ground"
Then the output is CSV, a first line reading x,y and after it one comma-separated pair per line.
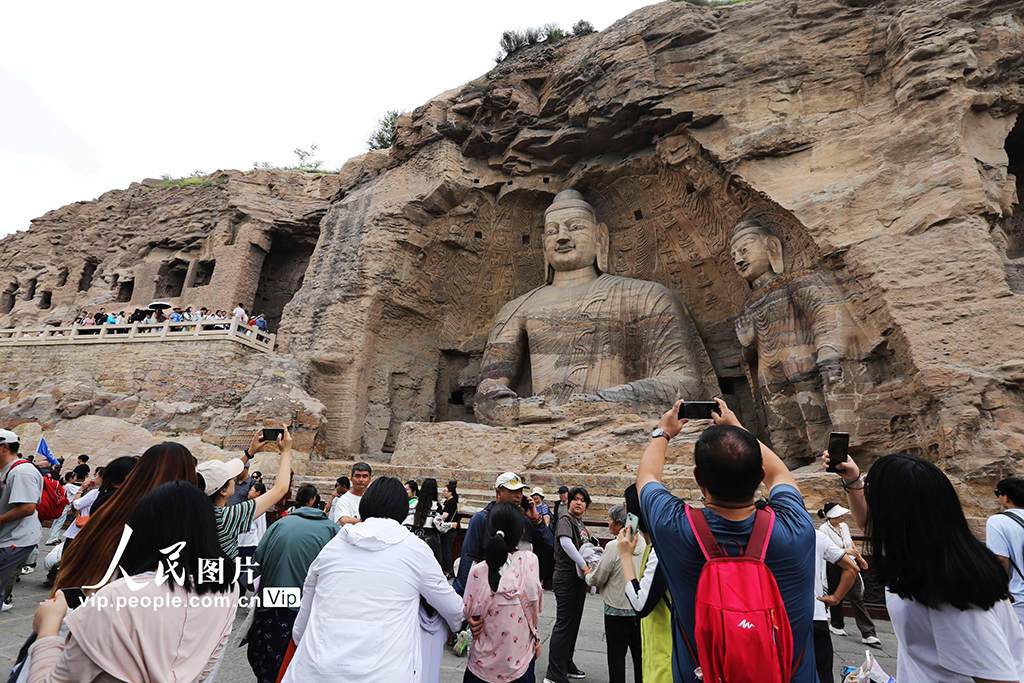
x,y
16,625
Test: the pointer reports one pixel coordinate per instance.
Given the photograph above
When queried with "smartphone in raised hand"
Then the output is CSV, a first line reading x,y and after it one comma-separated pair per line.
x,y
632,522
272,434
697,410
838,450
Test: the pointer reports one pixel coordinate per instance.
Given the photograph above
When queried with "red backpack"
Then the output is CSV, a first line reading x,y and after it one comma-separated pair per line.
x,y
53,500
742,631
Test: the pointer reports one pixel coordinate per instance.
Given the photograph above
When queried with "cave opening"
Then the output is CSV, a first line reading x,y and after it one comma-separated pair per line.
x,y
171,279
453,393
62,277
284,269
1015,152
88,271
125,290
7,298
203,273
1008,232
45,299
30,291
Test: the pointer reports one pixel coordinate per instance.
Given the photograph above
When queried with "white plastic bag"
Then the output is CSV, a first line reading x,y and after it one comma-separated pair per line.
x,y
870,670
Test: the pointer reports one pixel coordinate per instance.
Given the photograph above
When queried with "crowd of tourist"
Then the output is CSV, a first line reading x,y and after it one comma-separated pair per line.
x,y
363,587
176,314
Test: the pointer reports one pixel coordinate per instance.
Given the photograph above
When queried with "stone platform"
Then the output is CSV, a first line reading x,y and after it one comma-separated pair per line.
x,y
598,444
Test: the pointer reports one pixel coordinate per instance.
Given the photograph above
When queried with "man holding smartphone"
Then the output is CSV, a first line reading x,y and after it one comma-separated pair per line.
x,y
730,466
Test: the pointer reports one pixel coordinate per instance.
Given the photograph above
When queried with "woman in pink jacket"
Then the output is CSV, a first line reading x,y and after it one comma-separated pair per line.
x,y
505,592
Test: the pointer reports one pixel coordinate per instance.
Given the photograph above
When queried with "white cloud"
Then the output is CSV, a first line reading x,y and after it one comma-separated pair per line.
x,y
94,96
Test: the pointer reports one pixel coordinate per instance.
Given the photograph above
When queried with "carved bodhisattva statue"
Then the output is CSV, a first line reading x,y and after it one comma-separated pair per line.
x,y
588,336
792,333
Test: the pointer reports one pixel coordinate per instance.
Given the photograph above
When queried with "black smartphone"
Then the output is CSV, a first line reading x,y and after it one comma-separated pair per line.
x,y
697,410
74,596
272,434
838,450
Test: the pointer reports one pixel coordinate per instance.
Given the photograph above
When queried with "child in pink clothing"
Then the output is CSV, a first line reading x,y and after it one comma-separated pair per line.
x,y
505,590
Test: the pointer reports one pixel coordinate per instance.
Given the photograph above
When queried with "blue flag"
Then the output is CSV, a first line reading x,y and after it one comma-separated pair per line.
x,y
44,450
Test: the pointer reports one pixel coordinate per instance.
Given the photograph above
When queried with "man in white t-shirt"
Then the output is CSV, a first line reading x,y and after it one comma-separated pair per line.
x,y
341,487
346,510
1004,535
827,551
239,313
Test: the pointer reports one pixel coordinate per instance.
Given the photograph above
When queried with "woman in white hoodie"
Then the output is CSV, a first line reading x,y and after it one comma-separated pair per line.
x,y
359,620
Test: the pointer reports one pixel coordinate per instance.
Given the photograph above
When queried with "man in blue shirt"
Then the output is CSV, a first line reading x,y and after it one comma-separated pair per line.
x,y
509,487
730,465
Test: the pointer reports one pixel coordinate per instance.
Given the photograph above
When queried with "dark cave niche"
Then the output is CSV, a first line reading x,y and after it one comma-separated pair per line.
x,y
284,269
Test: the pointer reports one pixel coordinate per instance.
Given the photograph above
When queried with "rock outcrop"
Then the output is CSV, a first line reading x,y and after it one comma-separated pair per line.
x,y
877,136
881,140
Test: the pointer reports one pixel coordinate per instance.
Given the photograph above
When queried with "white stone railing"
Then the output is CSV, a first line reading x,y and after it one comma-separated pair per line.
x,y
193,330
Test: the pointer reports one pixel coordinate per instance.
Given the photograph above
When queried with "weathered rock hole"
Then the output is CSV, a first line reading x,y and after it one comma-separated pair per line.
x,y
125,290
62,277
171,279
30,292
638,215
479,235
284,269
203,273
7,299
85,281
526,239
44,300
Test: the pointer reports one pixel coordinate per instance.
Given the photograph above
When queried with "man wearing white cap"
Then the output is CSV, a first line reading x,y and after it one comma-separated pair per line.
x,y
507,488
219,480
21,488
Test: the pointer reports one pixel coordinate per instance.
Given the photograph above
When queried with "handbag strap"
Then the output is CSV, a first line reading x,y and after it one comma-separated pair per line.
x,y
1021,523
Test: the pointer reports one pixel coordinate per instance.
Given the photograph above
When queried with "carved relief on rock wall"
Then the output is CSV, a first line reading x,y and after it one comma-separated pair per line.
x,y
670,219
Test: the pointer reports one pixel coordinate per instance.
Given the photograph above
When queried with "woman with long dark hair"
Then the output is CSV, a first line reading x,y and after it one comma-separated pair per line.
x,y
170,626
448,512
424,519
947,594
85,562
114,476
505,592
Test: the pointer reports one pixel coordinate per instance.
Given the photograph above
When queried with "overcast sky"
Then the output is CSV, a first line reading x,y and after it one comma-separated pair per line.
x,y
96,95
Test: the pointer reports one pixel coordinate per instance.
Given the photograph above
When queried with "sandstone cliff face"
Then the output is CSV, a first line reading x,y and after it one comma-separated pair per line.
x,y
229,237
881,140
874,134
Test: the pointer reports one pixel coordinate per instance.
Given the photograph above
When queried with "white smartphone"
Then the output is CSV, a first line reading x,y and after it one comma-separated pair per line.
x,y
633,522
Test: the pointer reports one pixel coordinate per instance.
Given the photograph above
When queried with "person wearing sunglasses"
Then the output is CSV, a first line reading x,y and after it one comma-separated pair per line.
x,y
1004,535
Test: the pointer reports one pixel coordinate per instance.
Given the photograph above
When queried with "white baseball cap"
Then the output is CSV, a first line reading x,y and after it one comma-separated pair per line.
x,y
537,491
216,473
7,436
510,481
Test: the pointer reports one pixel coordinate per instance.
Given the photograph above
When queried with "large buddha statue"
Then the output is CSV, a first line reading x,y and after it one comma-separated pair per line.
x,y
587,336
793,330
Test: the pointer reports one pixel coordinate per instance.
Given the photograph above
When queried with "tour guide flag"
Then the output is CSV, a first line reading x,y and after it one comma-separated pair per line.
x,y
45,450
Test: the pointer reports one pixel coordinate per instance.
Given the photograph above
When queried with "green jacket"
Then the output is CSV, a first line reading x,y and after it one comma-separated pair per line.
x,y
289,547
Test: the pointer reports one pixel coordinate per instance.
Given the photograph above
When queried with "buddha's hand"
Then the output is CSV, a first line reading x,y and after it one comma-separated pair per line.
x,y
496,404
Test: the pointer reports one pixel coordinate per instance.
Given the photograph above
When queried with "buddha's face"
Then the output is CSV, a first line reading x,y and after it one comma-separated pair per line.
x,y
570,239
750,256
